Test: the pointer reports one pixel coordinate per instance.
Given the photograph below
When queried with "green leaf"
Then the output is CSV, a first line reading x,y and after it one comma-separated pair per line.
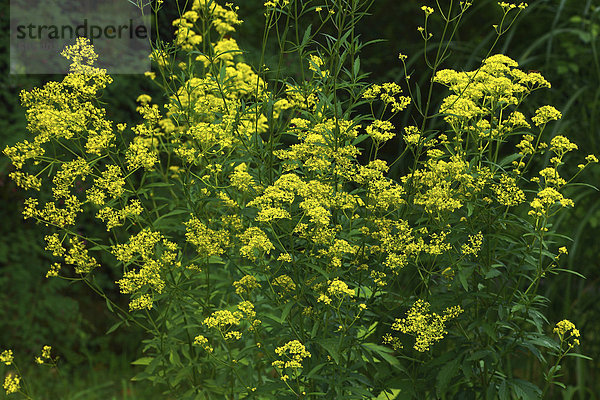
x,y
356,66
503,391
330,345
142,376
306,36
108,305
174,357
363,333
383,353
509,159
286,310
389,394
314,329
158,184
447,372
315,370
492,273
417,98
463,274
526,390
143,361
577,355
114,327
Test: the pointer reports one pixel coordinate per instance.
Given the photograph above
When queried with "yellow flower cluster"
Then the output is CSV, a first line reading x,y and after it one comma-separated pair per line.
x,y
508,192
324,147
6,357
276,3
427,327
497,84
110,183
208,242
25,180
340,289
202,341
143,250
388,93
78,256
12,383
545,199
140,154
285,284
545,114
292,354
474,245
223,321
223,20
185,36
246,284
315,64
45,355
248,309
442,186
380,131
509,6
256,243
567,332
241,179
115,218
427,10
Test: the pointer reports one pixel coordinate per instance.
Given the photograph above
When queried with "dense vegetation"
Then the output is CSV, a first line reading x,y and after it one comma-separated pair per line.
x,y
376,322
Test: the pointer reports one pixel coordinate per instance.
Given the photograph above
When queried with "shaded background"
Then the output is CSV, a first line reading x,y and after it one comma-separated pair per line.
x,y
557,37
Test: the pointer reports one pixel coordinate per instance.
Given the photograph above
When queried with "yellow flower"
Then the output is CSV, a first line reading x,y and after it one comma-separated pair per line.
x,y
507,191
256,243
202,341
144,99
380,131
340,289
12,383
428,10
428,328
7,357
545,114
286,284
246,284
46,352
292,354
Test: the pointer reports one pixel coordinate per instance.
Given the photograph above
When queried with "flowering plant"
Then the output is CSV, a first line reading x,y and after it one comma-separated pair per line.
x,y
265,250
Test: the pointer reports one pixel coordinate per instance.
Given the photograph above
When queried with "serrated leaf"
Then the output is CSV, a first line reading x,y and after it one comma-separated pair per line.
x,y
306,36
356,66
526,390
503,391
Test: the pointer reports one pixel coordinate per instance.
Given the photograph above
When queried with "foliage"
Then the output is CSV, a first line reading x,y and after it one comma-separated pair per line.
x,y
265,254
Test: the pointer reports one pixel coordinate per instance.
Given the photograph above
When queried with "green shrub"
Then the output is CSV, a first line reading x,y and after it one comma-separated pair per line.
x,y
266,255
